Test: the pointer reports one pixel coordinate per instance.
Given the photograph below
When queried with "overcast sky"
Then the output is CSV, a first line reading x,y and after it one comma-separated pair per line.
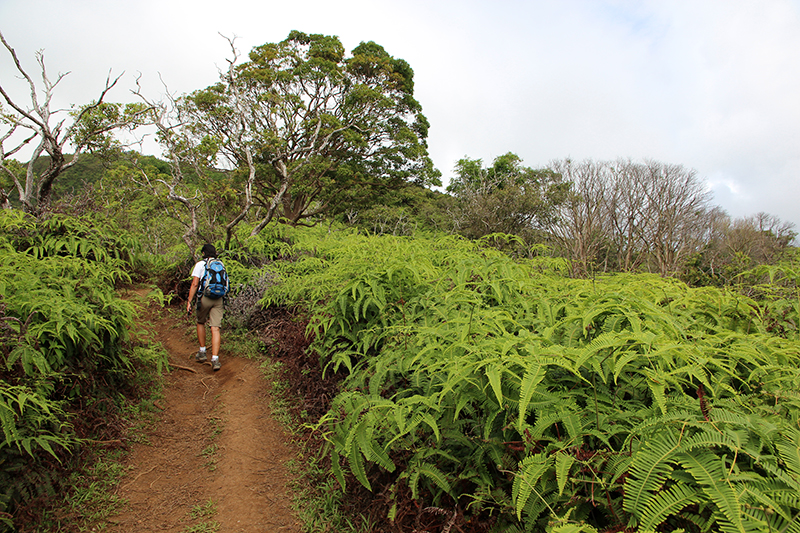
x,y
713,85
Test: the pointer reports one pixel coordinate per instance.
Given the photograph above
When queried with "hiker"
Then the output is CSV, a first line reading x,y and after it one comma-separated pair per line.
x,y
210,308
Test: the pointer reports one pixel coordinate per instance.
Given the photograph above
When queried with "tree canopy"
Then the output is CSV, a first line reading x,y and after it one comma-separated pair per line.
x,y
506,197
309,127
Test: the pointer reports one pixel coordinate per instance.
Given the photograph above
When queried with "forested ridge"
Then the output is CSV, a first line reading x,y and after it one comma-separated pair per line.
x,y
589,346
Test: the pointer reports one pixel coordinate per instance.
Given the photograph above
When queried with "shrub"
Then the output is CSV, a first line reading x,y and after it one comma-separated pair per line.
x,y
64,343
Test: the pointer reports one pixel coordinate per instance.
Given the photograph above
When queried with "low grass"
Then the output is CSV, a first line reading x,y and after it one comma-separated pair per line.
x,y
91,502
204,511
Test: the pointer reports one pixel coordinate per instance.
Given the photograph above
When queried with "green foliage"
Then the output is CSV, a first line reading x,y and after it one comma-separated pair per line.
x,y
122,196
624,401
86,171
315,131
27,420
64,236
407,211
505,198
64,341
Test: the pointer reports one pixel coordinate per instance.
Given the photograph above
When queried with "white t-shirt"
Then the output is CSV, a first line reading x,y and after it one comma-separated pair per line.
x,y
199,270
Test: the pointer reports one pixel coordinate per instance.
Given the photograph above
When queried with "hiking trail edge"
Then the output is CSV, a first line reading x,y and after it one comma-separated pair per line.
x,y
215,455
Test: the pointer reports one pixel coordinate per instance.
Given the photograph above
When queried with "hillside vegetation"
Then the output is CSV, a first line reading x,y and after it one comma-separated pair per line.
x,y
70,367
502,393
474,389
588,346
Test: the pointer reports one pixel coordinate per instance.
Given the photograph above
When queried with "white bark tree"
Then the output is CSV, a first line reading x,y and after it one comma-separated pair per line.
x,y
300,130
185,149
62,134
314,127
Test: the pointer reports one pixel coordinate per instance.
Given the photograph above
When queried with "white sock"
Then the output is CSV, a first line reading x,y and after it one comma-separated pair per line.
x,y
214,357
202,349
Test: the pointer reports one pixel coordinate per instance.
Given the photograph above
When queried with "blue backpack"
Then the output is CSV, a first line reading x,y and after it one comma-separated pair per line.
x,y
215,283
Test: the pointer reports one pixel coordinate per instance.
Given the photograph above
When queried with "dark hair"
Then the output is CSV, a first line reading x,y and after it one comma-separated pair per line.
x,y
208,250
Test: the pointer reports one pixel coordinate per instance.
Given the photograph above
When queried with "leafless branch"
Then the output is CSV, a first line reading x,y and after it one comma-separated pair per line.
x,y
55,135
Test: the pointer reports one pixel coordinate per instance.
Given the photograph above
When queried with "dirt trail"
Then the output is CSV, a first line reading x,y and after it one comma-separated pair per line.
x,y
214,441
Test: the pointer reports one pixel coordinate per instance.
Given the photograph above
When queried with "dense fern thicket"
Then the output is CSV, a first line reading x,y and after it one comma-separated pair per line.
x,y
500,395
67,359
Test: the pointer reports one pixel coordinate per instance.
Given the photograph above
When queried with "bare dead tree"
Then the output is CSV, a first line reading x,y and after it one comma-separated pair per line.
x,y
760,238
240,133
626,215
582,230
183,149
678,204
165,116
54,132
625,206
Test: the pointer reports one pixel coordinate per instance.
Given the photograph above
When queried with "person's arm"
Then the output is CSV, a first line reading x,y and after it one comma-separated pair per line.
x,y
192,293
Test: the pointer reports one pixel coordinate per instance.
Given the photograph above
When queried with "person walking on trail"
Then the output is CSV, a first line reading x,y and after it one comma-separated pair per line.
x,y
209,308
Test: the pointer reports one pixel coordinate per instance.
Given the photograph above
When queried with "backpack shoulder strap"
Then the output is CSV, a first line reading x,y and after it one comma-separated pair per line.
x,y
202,287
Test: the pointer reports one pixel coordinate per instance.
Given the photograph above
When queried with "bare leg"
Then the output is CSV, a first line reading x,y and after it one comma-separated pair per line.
x,y
216,340
201,335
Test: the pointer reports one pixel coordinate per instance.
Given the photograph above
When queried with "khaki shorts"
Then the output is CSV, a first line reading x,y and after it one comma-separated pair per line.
x,y
211,311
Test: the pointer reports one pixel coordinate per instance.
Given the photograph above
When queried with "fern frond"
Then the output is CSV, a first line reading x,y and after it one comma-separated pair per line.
x,y
533,376
571,528
494,373
649,469
789,450
709,439
418,469
372,450
356,462
531,469
564,463
710,473
665,504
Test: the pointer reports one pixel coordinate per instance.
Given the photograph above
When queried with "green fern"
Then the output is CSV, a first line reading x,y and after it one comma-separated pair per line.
x,y
710,474
651,466
527,478
582,388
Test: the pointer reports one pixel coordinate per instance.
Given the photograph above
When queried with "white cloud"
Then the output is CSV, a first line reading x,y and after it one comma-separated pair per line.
x,y
710,84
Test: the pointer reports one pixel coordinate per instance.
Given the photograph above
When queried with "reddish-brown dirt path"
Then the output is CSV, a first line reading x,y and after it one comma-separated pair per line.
x,y
215,441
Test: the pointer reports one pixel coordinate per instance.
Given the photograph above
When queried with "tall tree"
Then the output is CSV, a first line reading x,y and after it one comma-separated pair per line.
x,y
506,197
625,203
53,133
628,215
677,208
582,233
311,126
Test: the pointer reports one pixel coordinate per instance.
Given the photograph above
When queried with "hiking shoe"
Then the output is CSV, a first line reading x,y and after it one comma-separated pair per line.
x,y
200,357
215,365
